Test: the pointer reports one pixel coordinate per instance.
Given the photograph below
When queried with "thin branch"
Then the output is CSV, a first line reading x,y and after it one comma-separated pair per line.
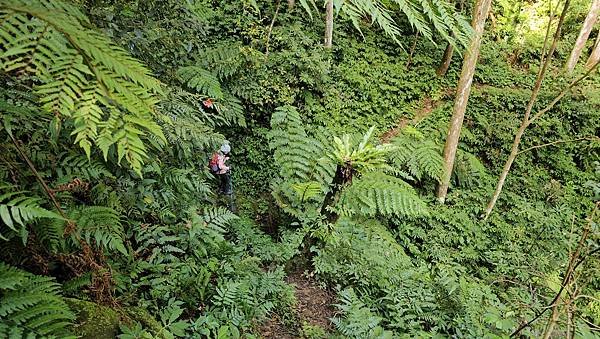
x,y
271,28
412,50
37,176
568,274
593,138
563,93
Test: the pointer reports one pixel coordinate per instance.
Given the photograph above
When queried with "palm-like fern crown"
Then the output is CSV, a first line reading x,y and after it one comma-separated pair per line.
x,y
365,157
84,77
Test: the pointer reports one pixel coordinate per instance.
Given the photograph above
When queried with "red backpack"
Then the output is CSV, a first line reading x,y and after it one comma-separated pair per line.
x,y
213,164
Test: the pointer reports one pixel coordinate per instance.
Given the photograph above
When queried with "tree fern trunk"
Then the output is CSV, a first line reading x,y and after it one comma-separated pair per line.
x,y
291,4
329,24
480,13
586,29
446,59
339,180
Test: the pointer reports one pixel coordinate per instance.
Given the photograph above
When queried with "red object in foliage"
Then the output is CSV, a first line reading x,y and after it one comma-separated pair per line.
x,y
208,103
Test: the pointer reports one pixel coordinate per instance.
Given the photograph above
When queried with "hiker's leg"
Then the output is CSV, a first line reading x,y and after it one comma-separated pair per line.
x,y
222,183
227,188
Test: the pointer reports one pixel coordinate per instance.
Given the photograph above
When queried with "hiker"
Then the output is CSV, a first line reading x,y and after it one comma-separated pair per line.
x,y
222,171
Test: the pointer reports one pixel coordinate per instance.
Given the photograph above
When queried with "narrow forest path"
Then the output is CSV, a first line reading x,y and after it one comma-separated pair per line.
x,y
314,307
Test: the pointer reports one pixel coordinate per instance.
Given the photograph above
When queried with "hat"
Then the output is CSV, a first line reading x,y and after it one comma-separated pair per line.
x,y
225,148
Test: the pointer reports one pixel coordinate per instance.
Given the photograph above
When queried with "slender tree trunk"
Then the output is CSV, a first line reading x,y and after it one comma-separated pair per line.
x,y
595,56
463,91
291,4
449,51
446,59
586,29
526,118
271,28
329,24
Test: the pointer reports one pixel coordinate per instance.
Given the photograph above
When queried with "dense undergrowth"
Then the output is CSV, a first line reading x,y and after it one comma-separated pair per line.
x,y
336,155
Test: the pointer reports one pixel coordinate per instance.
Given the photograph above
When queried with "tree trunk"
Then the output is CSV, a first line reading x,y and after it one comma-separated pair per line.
x,y
595,56
342,177
463,91
586,29
291,4
446,59
329,24
449,51
526,118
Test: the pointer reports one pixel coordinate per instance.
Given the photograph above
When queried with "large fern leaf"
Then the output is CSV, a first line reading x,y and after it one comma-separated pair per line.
x,y
31,306
82,72
203,81
417,155
17,209
379,193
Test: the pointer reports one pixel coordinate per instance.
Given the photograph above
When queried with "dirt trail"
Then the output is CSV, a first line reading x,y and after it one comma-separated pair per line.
x,y
427,106
314,307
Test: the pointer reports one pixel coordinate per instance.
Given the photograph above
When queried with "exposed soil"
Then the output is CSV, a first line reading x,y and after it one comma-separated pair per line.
x,y
314,307
426,107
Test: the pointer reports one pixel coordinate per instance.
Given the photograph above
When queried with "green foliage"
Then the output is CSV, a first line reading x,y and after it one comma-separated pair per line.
x,y
413,269
379,193
81,72
17,210
358,320
416,155
300,157
31,306
424,16
100,224
202,81
363,157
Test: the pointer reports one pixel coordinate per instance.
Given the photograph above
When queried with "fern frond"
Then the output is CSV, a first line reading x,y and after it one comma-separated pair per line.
x,y
81,72
417,155
426,16
201,80
301,158
31,306
100,225
17,210
218,217
379,193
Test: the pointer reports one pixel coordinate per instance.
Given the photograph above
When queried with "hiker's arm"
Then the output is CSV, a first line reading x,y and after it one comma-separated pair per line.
x,y
222,165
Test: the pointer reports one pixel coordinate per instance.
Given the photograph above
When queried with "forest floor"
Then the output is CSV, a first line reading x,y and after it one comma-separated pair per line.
x,y
314,308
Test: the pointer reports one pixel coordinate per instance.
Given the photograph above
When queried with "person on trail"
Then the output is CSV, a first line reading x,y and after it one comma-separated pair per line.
x,y
221,170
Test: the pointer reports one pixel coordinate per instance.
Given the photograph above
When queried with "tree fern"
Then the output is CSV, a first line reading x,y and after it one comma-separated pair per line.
x,y
17,209
379,193
364,157
31,306
81,72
